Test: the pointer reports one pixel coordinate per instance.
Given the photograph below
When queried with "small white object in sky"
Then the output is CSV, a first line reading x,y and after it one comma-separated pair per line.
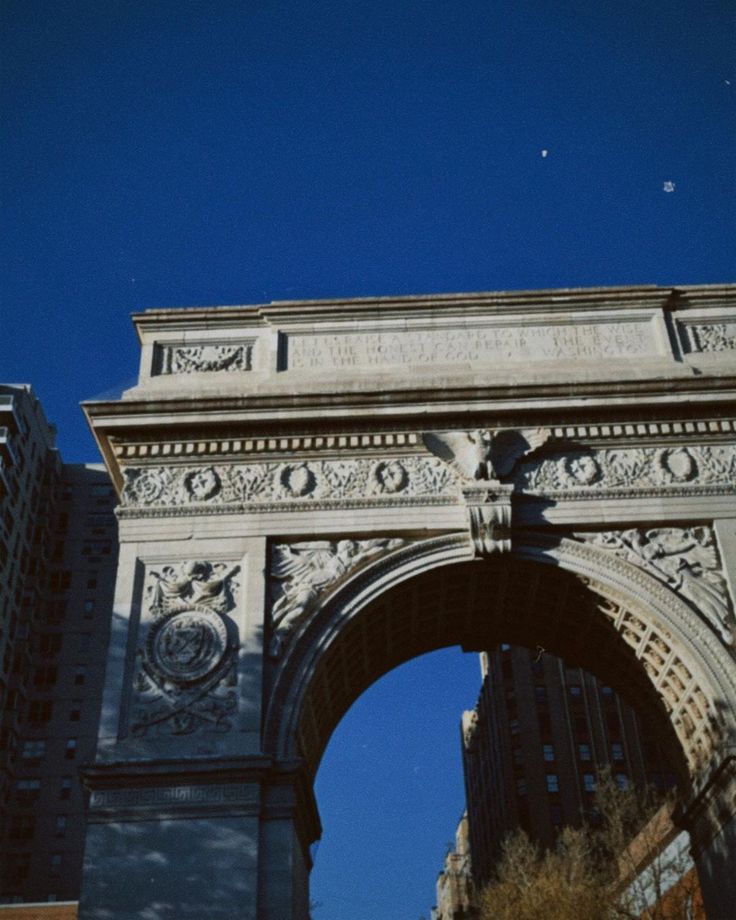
x,y
544,153
669,186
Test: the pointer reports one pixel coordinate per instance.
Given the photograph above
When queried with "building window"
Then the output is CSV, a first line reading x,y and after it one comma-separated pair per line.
x,y
521,787
514,726
34,750
40,711
80,675
548,752
65,789
540,694
92,582
22,827
518,756
553,784
622,781
617,751
505,647
55,863
575,691
75,713
27,790
607,693
588,782
60,825
71,748
45,677
89,608
584,751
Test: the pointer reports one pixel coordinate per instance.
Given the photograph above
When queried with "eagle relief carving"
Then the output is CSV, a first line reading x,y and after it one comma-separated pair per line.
x,y
482,458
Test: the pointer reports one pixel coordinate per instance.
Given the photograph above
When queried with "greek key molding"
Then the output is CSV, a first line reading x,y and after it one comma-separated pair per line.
x,y
180,799
204,357
301,573
185,678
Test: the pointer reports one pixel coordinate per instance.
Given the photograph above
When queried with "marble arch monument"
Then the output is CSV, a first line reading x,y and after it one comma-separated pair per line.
x,y
314,492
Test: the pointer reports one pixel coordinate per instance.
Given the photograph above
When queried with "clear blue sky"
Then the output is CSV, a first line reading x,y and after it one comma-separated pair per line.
x,y
178,152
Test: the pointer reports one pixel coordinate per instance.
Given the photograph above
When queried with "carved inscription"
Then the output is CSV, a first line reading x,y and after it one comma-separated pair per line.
x,y
300,572
186,670
473,343
195,359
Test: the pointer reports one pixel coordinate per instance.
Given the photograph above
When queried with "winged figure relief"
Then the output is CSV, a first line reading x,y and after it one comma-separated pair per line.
x,y
485,454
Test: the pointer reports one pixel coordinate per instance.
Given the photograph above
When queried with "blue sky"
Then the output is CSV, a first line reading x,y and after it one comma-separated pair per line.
x,y
178,152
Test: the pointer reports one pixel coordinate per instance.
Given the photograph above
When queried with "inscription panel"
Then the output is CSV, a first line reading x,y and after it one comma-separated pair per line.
x,y
634,338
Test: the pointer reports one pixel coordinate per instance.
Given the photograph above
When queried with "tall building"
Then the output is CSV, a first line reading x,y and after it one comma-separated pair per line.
x,y
455,888
58,554
533,745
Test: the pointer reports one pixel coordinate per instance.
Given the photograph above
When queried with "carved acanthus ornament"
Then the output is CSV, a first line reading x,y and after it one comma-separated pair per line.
x,y
712,337
482,458
463,459
186,674
630,469
686,560
203,358
302,572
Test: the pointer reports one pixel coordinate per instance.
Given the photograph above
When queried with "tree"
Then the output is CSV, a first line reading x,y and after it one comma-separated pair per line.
x,y
626,863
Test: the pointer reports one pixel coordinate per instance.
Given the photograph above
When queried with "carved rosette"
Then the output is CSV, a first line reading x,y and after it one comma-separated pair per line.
x,y
186,671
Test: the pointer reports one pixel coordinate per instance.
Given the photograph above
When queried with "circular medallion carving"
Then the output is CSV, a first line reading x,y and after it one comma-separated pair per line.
x,y
583,469
390,476
202,484
298,480
188,645
676,464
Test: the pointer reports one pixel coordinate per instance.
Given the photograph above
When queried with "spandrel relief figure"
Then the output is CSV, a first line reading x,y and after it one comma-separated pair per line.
x,y
686,559
301,572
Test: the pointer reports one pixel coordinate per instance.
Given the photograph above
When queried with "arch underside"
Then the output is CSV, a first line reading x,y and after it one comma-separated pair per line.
x,y
506,598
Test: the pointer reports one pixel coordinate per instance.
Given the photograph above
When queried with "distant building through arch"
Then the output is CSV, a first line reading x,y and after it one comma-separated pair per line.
x,y
314,492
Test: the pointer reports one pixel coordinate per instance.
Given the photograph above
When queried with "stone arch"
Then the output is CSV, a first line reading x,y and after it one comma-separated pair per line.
x,y
618,621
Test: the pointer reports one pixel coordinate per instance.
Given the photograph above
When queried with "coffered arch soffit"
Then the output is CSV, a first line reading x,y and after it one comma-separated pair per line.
x,y
642,636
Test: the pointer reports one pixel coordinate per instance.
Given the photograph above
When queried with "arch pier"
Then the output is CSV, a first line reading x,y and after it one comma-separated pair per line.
x,y
312,493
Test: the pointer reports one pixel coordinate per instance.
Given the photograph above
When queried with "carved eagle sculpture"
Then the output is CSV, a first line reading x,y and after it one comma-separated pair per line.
x,y
483,454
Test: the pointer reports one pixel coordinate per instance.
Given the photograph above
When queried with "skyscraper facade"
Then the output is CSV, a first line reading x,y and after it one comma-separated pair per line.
x,y
533,746
58,553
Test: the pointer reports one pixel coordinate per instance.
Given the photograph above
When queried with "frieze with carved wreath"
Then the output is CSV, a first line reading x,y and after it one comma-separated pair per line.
x,y
185,675
576,472
635,468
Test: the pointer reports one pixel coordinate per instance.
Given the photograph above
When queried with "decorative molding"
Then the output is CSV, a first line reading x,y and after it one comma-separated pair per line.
x,y
400,442
630,468
489,517
204,357
165,796
186,671
686,560
302,572
301,480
